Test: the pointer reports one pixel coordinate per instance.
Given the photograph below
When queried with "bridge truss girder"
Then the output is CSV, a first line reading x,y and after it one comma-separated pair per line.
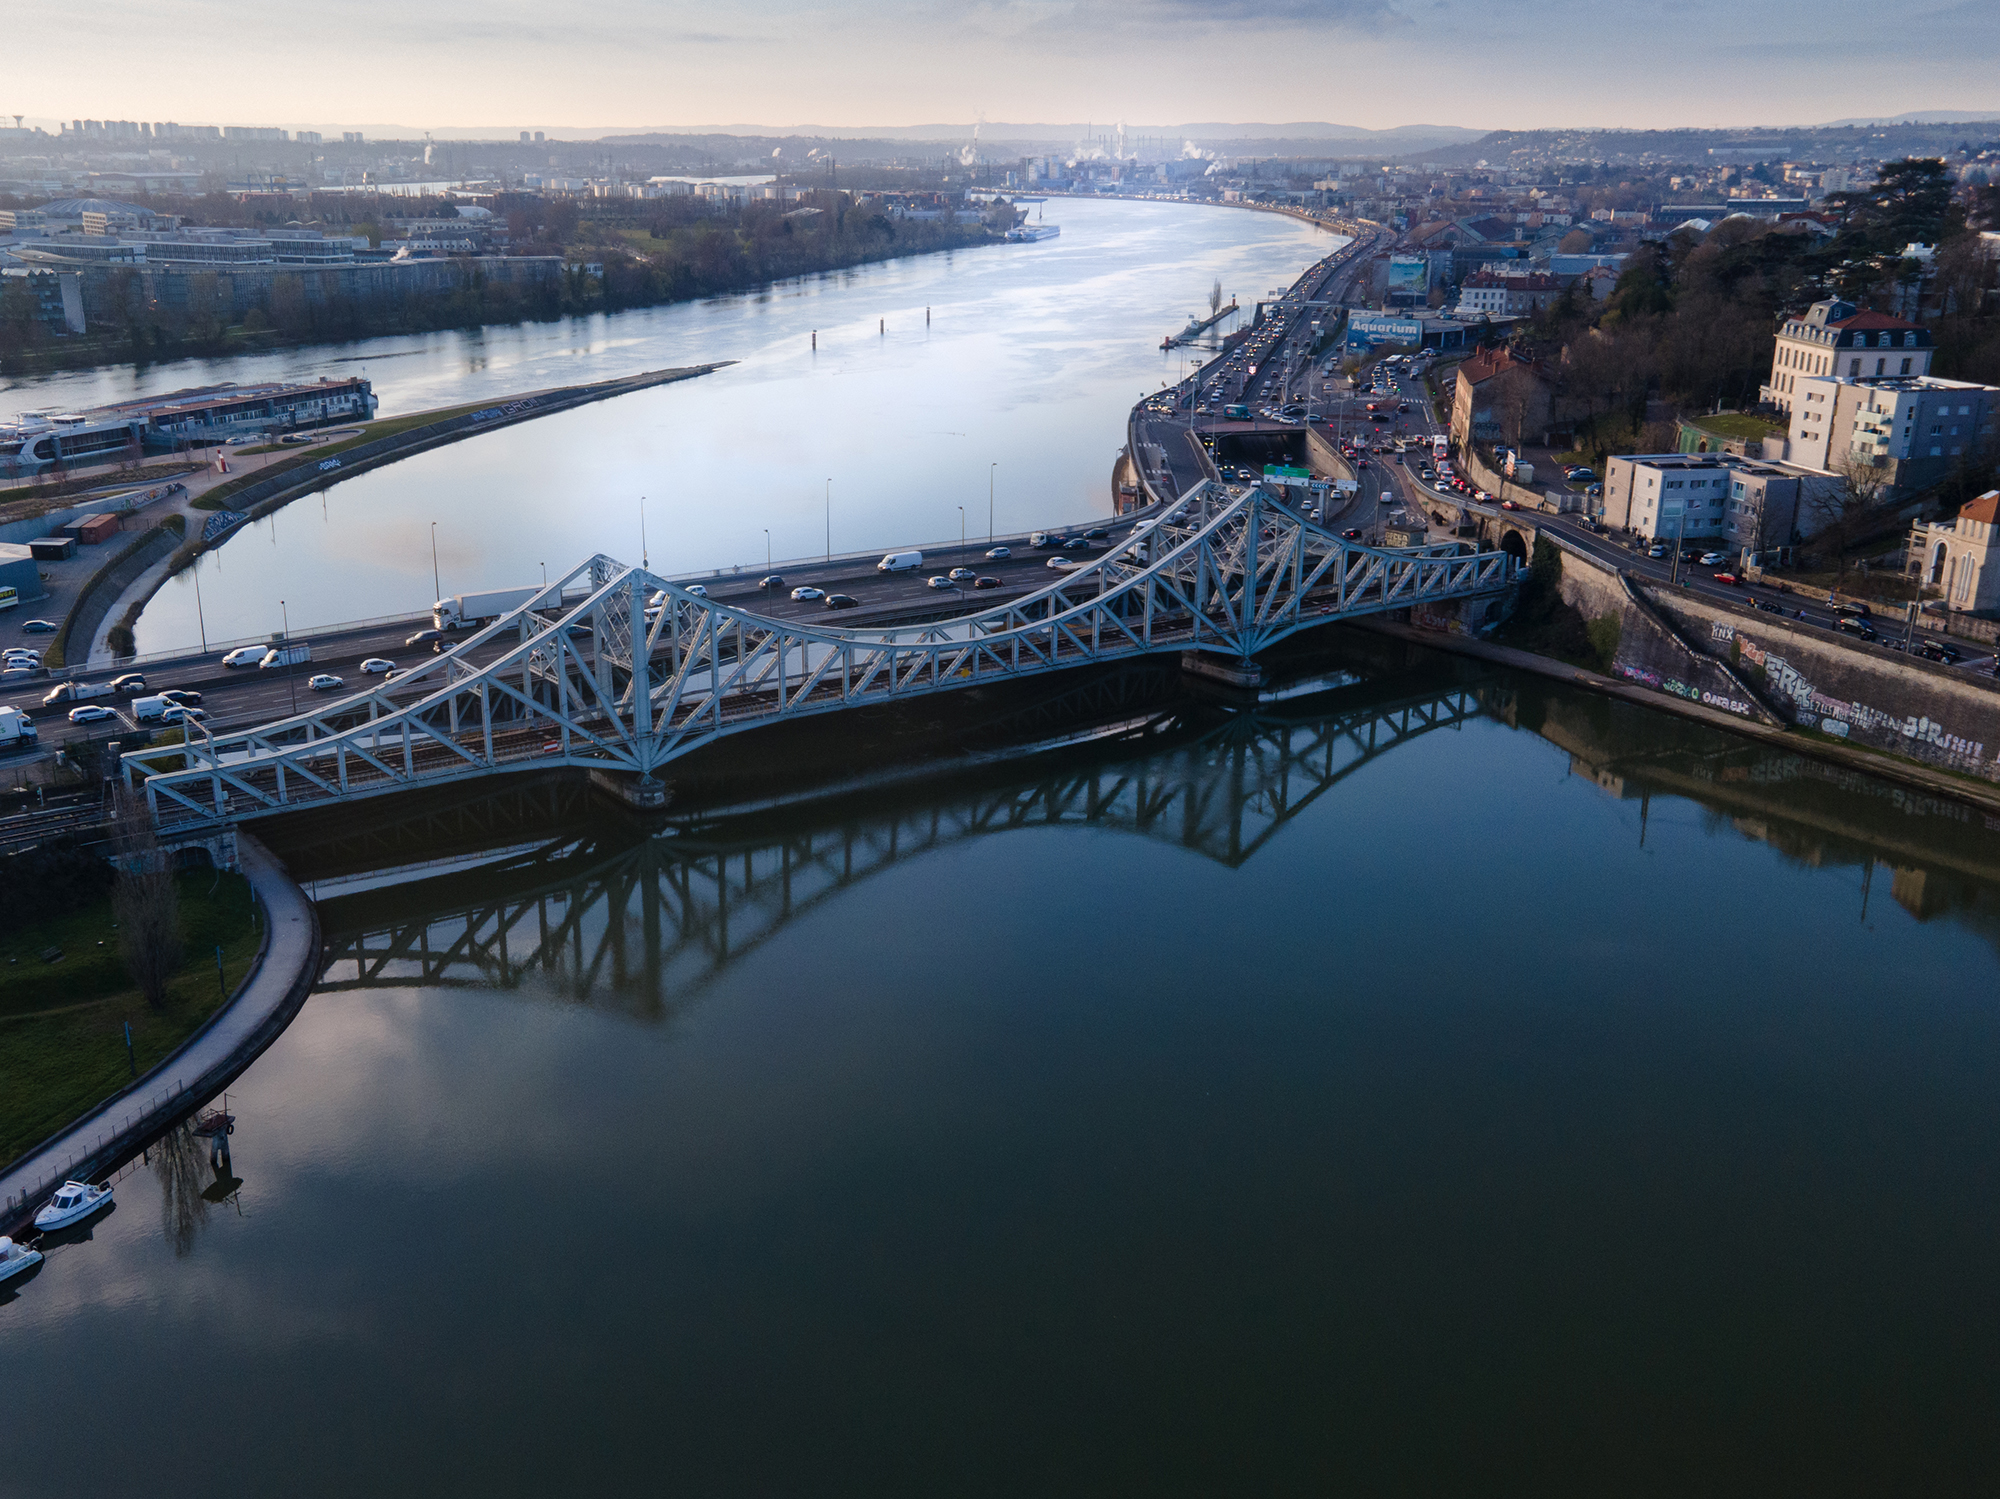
x,y
613,667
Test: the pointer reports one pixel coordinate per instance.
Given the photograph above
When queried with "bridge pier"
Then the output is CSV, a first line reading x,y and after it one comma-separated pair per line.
x,y
643,793
1231,671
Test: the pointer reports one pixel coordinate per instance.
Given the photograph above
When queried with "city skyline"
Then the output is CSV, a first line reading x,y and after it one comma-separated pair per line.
x,y
1387,64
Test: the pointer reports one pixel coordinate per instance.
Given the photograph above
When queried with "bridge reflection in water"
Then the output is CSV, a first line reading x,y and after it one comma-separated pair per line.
x,y
654,921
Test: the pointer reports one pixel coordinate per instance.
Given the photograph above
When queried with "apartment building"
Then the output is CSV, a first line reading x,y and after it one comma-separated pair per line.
x,y
1838,338
1918,428
1736,505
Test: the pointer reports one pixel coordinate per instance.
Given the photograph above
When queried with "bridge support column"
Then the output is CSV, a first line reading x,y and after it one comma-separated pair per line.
x,y
1232,671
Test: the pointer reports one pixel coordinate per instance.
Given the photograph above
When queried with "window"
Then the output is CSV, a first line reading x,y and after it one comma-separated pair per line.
x,y
1854,367
1880,366
1906,366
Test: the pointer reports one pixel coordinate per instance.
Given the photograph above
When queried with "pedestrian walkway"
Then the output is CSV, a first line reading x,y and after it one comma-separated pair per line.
x,y
287,965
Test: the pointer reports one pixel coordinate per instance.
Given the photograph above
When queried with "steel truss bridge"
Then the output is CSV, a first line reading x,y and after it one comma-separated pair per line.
x,y
614,668
655,923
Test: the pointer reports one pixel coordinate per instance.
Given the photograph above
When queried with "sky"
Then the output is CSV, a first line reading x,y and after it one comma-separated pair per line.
x,y
612,64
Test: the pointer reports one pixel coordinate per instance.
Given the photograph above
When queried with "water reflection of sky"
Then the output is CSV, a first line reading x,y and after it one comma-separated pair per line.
x,y
1505,1090
1031,358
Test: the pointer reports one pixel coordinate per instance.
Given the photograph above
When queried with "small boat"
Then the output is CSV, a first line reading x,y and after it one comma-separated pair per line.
x,y
15,1260
73,1202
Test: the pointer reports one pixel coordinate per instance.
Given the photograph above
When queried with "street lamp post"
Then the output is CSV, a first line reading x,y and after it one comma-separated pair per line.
x,y
829,520
645,560
290,681
200,621
437,588
961,536
991,471
767,550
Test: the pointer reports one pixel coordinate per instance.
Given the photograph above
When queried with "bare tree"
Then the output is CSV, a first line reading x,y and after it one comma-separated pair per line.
x,y
1516,394
145,903
1844,507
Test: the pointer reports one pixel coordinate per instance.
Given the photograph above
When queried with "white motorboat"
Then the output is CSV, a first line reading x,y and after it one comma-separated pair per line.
x,y
73,1202
15,1260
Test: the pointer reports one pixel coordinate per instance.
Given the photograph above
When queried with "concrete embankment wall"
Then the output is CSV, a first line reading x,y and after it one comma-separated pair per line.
x,y
1762,668
87,612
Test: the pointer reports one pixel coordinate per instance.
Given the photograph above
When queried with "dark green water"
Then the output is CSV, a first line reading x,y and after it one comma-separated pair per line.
x,y
1441,1084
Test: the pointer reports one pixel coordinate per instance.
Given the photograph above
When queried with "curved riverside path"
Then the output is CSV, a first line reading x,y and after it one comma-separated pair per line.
x,y
262,1006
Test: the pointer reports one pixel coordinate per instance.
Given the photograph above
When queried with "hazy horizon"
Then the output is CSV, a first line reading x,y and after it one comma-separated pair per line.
x,y
667,66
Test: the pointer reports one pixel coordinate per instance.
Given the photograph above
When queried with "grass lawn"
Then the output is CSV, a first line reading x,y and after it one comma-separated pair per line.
x,y
1738,424
62,1025
218,498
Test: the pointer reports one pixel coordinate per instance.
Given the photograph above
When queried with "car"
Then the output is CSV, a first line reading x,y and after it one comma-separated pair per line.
x,y
39,627
1932,650
250,655
1730,578
1579,475
961,575
1097,533
1767,606
22,650
1061,564
376,664
131,681
182,695
1350,534
985,582
1000,552
842,601
11,673
771,581
939,580
1859,611
806,594
1847,624
1712,559
1504,504
697,590
401,671
424,637
177,714
325,681
1656,551
90,713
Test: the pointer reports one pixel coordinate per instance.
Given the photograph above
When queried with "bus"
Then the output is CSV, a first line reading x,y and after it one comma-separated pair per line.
x,y
9,597
1440,448
1237,413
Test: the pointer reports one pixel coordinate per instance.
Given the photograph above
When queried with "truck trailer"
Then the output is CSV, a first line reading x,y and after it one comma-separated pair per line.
x,y
463,609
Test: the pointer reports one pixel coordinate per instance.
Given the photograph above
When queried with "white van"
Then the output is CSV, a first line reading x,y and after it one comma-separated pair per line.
x,y
146,709
900,562
244,655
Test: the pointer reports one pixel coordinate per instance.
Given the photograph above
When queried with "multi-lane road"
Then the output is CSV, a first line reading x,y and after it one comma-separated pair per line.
x,y
234,698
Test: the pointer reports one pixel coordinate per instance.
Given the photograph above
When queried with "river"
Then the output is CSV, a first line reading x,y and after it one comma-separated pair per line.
x,y
1443,1082
1031,357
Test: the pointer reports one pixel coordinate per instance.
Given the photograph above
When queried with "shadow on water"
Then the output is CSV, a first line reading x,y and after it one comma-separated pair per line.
x,y
604,914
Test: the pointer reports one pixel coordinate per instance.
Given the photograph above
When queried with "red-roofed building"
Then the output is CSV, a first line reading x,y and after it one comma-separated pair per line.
x,y
1499,396
1838,338
1959,559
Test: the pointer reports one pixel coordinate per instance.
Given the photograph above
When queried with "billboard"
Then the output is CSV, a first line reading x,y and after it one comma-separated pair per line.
x,y
1409,275
1374,329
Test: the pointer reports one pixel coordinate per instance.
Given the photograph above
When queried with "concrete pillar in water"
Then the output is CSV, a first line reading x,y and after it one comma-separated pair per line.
x,y
815,340
882,327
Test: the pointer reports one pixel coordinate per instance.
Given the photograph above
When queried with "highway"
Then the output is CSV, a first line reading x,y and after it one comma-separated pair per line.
x,y
236,698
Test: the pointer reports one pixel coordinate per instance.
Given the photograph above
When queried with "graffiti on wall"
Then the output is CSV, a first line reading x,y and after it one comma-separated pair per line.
x,y
1814,709
1678,688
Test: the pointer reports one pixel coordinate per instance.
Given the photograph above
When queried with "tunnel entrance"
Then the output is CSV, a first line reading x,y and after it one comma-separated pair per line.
x,y
1256,451
1512,544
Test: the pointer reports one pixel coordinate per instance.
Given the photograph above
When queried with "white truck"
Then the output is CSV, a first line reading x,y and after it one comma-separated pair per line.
x,y
76,692
463,609
287,653
16,732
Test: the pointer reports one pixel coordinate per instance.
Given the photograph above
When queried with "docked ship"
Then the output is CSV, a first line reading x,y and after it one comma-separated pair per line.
x,y
201,417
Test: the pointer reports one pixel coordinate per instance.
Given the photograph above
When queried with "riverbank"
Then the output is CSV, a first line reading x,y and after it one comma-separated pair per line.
x,y
215,512
230,1037
1818,746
